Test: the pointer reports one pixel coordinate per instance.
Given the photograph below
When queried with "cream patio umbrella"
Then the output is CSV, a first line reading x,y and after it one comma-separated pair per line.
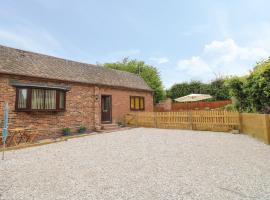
x,y
193,97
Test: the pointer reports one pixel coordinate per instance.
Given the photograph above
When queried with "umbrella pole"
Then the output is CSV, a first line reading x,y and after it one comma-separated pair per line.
x,y
5,130
3,153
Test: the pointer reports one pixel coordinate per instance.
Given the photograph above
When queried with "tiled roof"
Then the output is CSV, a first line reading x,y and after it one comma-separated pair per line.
x,y
20,62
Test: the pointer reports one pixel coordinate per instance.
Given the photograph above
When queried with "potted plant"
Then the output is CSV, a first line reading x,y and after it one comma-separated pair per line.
x,y
66,131
120,124
81,129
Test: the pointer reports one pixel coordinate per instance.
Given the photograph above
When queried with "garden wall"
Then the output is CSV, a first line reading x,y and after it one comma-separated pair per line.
x,y
199,105
169,105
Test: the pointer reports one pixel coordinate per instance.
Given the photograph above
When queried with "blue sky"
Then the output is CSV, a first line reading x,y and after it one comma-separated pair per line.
x,y
186,40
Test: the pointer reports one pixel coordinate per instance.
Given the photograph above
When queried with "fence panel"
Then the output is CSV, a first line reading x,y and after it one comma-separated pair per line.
x,y
216,120
177,120
256,125
146,119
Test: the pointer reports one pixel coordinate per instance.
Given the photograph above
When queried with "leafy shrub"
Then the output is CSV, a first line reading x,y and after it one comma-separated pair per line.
x,y
230,107
253,91
81,129
66,131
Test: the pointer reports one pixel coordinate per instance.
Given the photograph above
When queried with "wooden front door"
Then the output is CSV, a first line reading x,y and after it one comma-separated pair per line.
x,y
106,109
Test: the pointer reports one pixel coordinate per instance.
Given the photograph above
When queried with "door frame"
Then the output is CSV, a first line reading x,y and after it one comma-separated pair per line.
x,y
110,105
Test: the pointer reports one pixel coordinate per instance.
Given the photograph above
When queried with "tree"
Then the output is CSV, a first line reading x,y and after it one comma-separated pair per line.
x,y
216,88
183,89
236,87
258,87
178,90
198,87
219,90
149,73
253,91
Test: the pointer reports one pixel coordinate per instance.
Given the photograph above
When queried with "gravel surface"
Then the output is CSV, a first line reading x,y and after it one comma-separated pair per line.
x,y
140,164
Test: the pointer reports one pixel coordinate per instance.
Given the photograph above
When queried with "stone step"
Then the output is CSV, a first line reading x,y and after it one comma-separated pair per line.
x,y
109,126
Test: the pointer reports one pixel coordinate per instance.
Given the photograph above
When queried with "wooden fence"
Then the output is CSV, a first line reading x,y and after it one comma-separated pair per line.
x,y
256,125
216,120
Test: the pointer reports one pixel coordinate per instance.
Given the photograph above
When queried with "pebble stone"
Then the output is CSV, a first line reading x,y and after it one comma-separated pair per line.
x,y
140,164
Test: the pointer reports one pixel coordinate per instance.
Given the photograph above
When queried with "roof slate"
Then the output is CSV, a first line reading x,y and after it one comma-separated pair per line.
x,y
20,62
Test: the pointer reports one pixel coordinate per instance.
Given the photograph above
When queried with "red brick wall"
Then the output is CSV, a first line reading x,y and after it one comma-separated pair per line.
x,y
81,106
162,106
168,105
121,101
199,105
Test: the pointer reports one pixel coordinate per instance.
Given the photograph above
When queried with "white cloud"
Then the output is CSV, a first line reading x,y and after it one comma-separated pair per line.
x,y
229,51
260,32
222,57
194,66
160,60
28,38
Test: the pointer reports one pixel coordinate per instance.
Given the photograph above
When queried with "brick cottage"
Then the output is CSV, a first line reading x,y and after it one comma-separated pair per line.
x,y
48,93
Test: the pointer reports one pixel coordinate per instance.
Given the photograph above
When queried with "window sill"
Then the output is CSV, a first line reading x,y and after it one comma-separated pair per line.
x,y
39,111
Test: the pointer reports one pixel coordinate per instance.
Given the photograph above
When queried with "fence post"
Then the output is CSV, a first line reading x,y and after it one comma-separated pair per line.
x,y
136,119
190,119
240,122
155,119
267,128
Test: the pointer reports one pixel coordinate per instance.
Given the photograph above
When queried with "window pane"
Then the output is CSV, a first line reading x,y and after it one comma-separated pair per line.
x,y
106,104
137,103
37,99
61,100
50,99
132,103
22,98
141,103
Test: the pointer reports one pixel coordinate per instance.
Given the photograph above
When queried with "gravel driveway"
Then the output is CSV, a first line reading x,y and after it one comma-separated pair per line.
x,y
140,164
